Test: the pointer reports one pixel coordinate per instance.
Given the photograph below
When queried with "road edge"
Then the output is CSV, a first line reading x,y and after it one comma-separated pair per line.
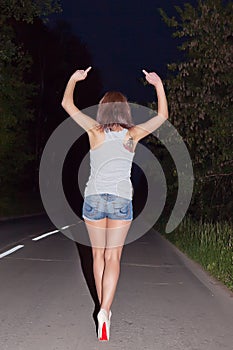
x,y
9,218
212,283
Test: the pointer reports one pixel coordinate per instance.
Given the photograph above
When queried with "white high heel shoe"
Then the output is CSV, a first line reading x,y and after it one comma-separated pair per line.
x,y
104,324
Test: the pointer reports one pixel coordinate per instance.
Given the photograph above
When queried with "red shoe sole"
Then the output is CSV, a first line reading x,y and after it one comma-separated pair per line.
x,y
104,332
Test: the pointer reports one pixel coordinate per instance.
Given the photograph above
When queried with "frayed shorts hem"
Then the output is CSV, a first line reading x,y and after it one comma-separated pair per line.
x,y
86,218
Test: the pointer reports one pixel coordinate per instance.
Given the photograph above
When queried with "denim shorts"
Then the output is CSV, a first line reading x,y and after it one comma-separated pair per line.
x,y
106,205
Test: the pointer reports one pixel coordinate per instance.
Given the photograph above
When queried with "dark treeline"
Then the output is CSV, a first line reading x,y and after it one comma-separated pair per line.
x,y
55,53
200,91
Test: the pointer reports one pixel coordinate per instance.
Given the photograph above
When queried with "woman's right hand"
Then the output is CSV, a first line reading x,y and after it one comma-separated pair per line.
x,y
80,74
152,78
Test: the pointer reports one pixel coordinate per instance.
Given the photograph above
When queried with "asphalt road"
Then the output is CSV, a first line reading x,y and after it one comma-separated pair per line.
x,y
163,299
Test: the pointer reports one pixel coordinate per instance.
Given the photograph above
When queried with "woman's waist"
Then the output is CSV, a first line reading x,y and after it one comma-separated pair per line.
x,y
121,187
108,179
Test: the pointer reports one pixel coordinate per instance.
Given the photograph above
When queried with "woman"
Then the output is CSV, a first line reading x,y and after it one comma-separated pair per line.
x,y
107,207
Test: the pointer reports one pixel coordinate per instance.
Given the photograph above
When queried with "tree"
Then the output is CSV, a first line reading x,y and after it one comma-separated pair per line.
x,y
200,95
56,53
15,93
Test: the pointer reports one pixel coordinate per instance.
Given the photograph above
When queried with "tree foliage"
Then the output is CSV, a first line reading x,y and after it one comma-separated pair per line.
x,y
56,53
15,93
200,94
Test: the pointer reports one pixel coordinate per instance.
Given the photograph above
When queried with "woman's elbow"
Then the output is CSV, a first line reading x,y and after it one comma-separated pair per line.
x,y
164,115
65,105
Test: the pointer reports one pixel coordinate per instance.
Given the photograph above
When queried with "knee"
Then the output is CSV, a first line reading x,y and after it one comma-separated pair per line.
x,y
112,255
98,253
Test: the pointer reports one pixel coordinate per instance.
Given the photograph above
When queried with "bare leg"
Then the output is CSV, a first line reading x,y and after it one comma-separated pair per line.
x,y
107,238
97,234
116,233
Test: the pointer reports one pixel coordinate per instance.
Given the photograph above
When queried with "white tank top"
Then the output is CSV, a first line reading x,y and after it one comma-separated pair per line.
x,y
111,165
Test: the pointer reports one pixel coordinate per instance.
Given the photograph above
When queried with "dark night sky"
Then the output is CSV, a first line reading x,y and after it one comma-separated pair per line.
x,y
123,38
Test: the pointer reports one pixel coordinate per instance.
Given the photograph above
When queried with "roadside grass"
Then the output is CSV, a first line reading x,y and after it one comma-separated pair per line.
x,y
208,243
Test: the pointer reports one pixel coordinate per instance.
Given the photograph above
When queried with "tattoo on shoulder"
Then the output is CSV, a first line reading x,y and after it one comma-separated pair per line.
x,y
129,144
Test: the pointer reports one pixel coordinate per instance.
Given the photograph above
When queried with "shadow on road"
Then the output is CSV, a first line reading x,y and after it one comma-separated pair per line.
x,y
86,259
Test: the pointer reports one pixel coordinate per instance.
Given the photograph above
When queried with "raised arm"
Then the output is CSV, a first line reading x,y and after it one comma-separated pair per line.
x,y
141,130
86,122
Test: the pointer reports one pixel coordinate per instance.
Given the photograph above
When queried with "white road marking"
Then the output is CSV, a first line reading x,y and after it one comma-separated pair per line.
x,y
44,235
63,228
12,250
52,232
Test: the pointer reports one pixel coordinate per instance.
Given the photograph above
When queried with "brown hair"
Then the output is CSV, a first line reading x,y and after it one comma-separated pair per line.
x,y
114,110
